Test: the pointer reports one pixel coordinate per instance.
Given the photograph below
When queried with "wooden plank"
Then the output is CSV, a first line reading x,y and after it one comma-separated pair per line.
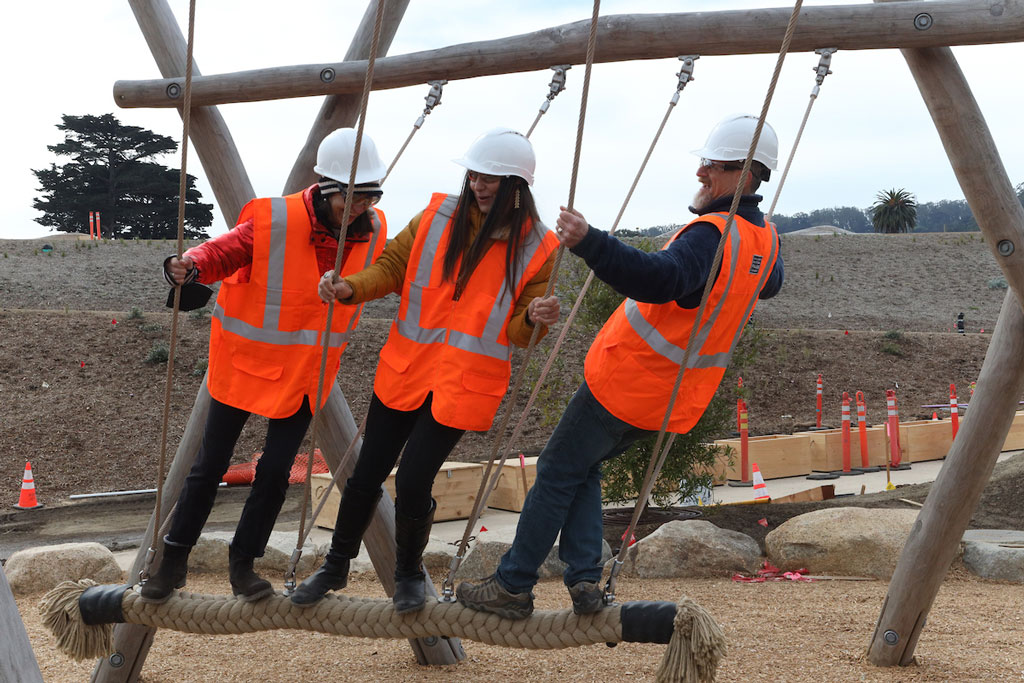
x,y
1015,437
935,537
207,129
823,492
339,111
454,489
621,37
923,440
826,447
776,455
510,492
17,660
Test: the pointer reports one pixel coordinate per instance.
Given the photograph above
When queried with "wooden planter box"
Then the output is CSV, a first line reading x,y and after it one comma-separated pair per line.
x,y
1015,437
776,455
454,489
826,448
509,494
922,440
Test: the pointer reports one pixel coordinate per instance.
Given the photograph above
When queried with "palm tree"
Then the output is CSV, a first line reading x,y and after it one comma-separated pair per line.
x,y
894,211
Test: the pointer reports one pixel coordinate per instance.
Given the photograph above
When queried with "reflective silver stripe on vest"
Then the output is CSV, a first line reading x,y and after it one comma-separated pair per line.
x,y
269,334
487,343
675,353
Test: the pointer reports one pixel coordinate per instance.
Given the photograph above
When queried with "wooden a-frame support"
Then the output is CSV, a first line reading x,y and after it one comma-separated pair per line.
x,y
222,163
17,660
936,534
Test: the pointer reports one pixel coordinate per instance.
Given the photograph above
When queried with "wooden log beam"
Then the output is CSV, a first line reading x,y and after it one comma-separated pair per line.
x,y
339,111
625,37
337,429
17,660
935,537
207,129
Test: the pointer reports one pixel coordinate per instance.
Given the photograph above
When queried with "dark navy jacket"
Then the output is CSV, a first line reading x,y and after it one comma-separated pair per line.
x,y
678,273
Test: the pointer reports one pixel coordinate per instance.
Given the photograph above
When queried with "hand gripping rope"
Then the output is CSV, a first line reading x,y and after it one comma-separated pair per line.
x,y
685,75
556,86
433,99
658,453
823,69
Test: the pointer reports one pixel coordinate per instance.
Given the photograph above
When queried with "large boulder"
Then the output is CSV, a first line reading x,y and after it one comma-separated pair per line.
x,y
842,541
42,568
485,554
691,548
1003,561
211,553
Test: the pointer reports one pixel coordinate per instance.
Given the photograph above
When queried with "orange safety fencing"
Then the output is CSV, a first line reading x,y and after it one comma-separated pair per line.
x,y
243,473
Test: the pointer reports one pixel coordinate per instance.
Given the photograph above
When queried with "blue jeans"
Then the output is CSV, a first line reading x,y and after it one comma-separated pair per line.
x,y
567,496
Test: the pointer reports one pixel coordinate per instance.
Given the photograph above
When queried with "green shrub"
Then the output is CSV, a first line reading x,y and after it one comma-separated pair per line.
x,y
200,368
199,313
135,313
892,349
158,354
997,283
893,335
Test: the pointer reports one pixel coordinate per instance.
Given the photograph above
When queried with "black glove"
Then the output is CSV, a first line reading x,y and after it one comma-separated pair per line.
x,y
193,295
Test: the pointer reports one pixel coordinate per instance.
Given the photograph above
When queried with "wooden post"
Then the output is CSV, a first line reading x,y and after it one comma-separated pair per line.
x,y
622,37
17,661
342,110
207,128
132,641
936,535
337,428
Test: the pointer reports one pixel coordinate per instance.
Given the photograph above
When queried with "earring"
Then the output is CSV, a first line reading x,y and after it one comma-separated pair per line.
x,y
517,198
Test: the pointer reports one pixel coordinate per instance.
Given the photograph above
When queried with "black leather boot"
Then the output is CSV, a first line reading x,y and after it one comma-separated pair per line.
x,y
354,514
171,574
411,536
245,583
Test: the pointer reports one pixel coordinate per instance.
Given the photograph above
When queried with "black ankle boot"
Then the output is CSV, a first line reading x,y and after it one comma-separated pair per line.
x,y
171,574
411,536
245,583
354,514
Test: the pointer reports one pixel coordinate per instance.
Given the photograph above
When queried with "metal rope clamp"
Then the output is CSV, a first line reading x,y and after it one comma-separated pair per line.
x,y
433,99
448,587
289,577
685,75
556,86
824,66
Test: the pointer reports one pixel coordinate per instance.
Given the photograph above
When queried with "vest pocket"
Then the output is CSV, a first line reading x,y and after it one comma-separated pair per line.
x,y
256,367
394,359
484,384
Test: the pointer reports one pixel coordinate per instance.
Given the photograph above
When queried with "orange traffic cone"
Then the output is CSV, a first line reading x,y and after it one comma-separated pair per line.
x,y
760,490
28,501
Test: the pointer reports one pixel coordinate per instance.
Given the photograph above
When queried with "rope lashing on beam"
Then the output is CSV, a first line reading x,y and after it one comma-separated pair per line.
x,y
80,613
433,99
823,69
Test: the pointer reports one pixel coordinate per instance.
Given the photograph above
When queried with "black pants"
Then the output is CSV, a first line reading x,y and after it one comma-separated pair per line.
x,y
427,444
223,427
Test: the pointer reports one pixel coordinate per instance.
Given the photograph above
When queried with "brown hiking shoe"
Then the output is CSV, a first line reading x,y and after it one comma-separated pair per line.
x,y
490,596
587,597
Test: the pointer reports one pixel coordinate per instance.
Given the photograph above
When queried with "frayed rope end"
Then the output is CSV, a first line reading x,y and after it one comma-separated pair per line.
x,y
696,647
62,616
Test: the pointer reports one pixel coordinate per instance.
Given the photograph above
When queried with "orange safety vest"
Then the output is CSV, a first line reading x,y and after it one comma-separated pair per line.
x,y
265,334
457,349
632,365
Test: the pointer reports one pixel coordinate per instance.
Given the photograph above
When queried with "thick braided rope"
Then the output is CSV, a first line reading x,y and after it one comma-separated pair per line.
x,y
659,454
186,116
373,618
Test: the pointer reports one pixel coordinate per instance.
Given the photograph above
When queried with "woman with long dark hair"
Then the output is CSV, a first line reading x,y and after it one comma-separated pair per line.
x,y
472,270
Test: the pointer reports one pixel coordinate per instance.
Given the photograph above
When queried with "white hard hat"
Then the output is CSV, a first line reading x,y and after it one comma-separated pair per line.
x,y
501,151
730,141
334,158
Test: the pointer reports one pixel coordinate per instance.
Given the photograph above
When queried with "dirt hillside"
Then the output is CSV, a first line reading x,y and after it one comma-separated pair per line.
x,y
81,401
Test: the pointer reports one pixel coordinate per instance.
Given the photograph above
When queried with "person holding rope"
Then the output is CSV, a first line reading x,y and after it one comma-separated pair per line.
x,y
633,363
265,345
472,270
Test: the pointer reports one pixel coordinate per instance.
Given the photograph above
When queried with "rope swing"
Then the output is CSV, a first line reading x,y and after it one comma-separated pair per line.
x,y
80,614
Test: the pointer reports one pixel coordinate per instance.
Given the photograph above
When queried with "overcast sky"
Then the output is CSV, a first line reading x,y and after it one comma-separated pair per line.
x,y
869,129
